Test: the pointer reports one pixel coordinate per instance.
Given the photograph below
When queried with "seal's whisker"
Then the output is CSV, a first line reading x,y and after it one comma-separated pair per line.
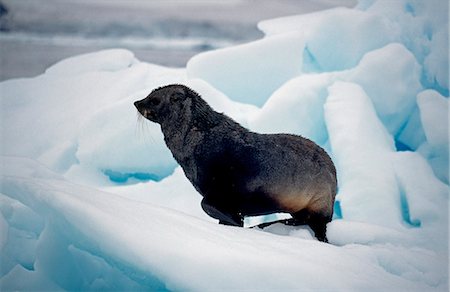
x,y
150,137
142,130
138,124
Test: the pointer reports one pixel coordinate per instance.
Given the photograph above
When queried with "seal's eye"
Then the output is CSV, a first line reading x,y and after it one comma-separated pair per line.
x,y
154,101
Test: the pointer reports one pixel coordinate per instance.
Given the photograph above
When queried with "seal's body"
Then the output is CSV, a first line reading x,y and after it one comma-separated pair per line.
x,y
241,173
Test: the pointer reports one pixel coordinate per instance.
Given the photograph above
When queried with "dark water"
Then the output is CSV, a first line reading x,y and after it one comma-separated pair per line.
x,y
35,34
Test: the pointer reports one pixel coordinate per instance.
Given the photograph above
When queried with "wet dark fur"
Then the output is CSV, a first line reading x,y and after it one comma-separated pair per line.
x,y
239,172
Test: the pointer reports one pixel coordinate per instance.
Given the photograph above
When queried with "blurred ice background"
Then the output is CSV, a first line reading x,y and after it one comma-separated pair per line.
x,y
35,34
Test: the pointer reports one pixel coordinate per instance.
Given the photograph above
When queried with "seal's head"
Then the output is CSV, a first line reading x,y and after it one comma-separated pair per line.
x,y
164,102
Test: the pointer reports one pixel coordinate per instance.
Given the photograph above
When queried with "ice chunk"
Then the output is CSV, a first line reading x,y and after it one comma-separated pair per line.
x,y
426,197
362,149
336,39
436,62
62,107
422,26
434,115
297,108
250,73
123,143
53,118
241,112
91,62
391,78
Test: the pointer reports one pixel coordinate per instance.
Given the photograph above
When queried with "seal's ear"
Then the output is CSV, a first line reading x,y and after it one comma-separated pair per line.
x,y
178,94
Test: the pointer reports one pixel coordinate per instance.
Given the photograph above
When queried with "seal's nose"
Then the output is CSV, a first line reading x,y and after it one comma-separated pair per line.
x,y
137,104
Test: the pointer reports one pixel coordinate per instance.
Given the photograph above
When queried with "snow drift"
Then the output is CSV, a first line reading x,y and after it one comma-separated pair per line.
x,y
92,199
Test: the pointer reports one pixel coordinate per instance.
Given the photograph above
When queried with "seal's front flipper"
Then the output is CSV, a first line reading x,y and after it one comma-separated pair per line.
x,y
224,217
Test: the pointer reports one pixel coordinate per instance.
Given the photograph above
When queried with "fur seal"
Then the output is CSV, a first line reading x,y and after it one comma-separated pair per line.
x,y
242,173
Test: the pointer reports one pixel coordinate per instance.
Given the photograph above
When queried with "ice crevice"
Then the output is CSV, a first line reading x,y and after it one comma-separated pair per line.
x,y
405,210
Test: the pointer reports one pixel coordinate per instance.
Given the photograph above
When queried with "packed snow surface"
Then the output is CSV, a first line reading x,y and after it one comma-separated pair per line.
x,y
92,199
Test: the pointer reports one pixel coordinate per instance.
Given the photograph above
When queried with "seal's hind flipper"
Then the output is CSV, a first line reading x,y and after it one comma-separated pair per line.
x,y
290,222
224,217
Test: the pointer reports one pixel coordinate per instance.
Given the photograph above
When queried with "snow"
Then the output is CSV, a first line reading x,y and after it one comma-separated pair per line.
x,y
179,247
91,198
